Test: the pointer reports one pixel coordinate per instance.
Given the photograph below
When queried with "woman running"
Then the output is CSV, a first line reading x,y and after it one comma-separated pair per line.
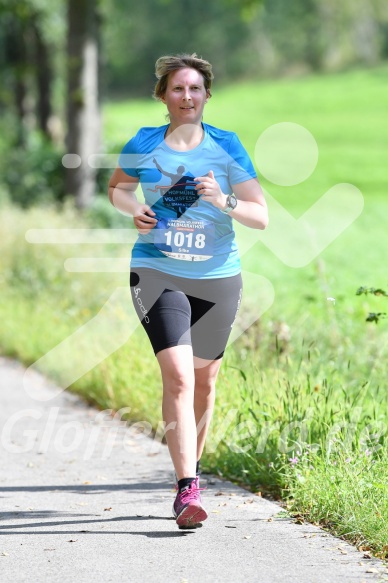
x,y
185,272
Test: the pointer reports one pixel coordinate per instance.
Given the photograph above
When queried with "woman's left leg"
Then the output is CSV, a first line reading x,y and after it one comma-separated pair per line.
x,y
206,372
210,332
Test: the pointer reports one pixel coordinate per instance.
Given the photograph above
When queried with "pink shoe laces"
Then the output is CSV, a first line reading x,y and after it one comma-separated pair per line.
x,y
189,492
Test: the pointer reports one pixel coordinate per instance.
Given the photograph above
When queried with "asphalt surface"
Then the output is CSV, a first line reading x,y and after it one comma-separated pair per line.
x,y
85,497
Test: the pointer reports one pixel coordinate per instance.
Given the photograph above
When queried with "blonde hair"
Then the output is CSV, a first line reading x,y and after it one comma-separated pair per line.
x,y
169,63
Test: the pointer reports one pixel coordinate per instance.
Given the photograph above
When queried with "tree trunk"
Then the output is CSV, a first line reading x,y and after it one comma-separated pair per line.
x,y
83,115
15,54
42,68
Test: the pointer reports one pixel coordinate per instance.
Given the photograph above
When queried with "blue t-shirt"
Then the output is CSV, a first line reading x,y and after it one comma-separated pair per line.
x,y
167,180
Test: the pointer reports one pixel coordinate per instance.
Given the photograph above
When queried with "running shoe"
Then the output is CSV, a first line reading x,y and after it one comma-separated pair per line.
x,y
187,508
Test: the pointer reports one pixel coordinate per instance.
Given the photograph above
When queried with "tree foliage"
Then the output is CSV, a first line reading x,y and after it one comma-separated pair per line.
x,y
29,41
137,33
242,38
373,316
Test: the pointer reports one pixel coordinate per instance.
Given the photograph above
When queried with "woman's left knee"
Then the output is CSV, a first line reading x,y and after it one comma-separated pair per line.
x,y
204,387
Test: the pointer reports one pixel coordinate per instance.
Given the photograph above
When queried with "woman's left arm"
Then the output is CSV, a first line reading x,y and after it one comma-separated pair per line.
x,y
251,209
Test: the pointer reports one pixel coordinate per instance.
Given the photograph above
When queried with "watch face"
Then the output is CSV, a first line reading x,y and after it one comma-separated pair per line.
x,y
232,201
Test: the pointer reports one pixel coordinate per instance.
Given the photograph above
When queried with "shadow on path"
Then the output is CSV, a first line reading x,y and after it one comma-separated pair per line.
x,y
92,488
7,529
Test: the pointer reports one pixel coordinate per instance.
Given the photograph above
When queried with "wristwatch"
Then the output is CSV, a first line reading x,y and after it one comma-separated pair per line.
x,y
231,203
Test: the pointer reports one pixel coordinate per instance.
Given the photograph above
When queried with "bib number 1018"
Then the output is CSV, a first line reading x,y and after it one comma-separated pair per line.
x,y
180,239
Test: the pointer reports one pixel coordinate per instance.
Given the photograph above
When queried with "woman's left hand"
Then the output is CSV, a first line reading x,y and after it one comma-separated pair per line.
x,y
210,191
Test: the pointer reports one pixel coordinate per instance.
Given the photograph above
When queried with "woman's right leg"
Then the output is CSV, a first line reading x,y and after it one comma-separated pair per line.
x,y
165,313
177,368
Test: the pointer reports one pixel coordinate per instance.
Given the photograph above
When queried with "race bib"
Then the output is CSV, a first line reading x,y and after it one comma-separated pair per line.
x,y
185,239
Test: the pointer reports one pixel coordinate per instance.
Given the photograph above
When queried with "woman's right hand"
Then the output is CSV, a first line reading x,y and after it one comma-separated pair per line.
x,y
144,219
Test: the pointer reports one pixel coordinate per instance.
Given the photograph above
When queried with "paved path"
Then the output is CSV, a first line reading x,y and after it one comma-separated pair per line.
x,y
83,497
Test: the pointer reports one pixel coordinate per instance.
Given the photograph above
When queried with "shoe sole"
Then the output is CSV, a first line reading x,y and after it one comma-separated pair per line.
x,y
193,527
191,516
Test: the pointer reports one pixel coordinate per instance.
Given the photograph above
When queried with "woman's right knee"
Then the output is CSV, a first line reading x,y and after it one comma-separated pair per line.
x,y
177,386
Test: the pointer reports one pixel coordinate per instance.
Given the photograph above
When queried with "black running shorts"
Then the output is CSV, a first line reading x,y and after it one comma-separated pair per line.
x,y
177,310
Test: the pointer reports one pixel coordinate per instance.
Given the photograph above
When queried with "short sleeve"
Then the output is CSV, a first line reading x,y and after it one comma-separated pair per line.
x,y
129,156
240,164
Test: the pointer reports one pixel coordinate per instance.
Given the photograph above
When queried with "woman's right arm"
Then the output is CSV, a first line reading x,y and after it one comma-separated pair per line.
x,y
121,192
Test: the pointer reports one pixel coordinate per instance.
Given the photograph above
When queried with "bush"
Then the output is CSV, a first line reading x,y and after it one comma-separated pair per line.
x,y
32,174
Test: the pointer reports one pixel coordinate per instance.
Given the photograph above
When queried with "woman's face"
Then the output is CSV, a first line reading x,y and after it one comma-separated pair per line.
x,y
185,96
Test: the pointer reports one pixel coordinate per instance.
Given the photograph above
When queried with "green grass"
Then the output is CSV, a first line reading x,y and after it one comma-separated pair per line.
x,y
346,493
305,385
